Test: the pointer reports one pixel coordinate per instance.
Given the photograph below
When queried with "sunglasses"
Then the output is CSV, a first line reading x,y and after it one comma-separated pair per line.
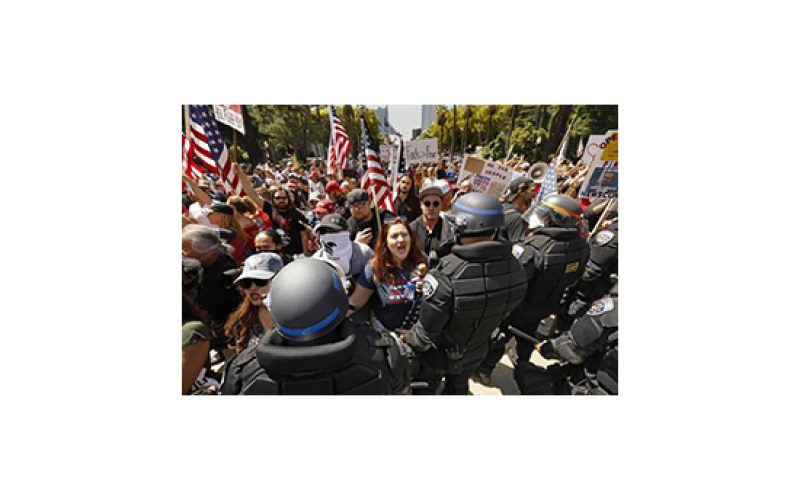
x,y
280,198
431,203
245,283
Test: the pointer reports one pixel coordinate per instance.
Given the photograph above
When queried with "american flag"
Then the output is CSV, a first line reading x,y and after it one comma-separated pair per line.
x,y
549,182
211,149
339,146
190,166
374,177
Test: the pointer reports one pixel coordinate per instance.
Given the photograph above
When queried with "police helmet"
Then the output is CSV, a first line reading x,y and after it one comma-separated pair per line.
x,y
558,210
307,300
476,213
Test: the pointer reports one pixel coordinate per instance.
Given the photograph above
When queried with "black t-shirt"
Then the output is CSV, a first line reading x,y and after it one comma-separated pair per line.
x,y
409,208
355,226
291,224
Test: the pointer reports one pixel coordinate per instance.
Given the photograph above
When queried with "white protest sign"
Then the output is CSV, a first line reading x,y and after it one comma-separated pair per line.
x,y
422,151
387,153
230,115
486,176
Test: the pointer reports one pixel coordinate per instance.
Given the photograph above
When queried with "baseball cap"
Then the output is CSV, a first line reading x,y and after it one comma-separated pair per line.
x,y
335,222
331,186
262,266
324,206
518,184
443,185
429,187
222,208
357,195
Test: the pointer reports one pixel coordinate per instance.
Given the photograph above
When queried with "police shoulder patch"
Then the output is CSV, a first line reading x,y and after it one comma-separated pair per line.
x,y
603,237
429,286
601,306
517,251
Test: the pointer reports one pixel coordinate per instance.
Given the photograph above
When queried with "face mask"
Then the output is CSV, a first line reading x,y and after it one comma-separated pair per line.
x,y
338,248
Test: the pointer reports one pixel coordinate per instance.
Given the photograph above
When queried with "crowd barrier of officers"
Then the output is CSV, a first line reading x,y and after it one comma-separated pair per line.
x,y
312,289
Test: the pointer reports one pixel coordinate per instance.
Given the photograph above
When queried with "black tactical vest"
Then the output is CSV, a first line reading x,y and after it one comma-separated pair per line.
x,y
565,255
362,362
488,283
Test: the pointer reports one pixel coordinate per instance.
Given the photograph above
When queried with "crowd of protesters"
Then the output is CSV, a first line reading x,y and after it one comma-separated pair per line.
x,y
233,247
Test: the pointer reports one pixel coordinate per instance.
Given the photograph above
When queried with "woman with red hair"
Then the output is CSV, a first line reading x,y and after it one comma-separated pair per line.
x,y
392,274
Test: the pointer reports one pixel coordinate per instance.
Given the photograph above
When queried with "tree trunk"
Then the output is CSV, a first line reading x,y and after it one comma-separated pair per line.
x,y
557,130
511,126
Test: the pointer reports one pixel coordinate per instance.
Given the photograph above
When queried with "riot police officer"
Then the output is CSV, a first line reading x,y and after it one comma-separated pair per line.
x,y
587,353
466,296
313,348
598,277
554,257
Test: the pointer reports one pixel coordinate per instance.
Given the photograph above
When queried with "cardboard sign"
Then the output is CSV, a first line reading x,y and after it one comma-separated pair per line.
x,y
422,151
230,115
486,176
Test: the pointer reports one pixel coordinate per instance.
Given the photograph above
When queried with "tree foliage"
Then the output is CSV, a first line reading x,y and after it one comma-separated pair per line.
x,y
281,130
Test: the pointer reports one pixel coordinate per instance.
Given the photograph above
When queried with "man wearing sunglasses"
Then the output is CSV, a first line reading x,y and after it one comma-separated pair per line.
x,y
430,229
290,220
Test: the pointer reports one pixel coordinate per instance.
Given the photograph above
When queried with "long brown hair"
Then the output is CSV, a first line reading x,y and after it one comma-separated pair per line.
x,y
240,321
383,263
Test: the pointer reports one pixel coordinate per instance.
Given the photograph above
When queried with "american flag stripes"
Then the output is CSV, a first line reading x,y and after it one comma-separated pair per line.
x,y
374,177
339,145
190,166
211,149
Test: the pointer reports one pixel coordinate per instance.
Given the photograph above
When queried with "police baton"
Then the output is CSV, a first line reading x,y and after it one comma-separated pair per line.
x,y
519,333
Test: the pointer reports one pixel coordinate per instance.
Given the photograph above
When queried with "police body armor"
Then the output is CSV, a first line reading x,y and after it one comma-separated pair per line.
x,y
360,361
595,331
487,284
596,280
565,255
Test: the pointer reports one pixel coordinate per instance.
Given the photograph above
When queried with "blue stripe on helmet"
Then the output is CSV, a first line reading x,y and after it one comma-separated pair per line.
x,y
478,211
337,283
310,329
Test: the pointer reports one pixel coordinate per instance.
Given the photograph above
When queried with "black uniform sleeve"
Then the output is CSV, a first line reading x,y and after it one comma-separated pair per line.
x,y
436,310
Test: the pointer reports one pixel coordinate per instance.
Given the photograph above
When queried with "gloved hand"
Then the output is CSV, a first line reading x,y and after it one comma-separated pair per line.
x,y
418,340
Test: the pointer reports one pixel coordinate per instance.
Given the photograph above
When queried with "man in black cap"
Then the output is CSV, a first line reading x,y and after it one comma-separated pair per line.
x,y
363,225
516,200
336,246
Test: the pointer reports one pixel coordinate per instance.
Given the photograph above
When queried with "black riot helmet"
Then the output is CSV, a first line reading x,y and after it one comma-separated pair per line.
x,y
307,300
476,213
558,210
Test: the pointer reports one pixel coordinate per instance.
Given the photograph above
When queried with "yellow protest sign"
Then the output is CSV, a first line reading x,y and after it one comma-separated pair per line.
x,y
611,151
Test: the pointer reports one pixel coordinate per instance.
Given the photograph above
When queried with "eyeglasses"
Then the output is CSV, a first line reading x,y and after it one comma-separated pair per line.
x,y
359,204
433,203
247,282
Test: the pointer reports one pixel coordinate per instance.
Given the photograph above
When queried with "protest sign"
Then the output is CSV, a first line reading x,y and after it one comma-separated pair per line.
x,y
230,115
388,153
486,176
422,151
601,157
592,148
602,181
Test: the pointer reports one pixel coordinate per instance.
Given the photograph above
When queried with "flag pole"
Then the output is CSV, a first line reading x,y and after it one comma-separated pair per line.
x,y
233,149
377,210
611,202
